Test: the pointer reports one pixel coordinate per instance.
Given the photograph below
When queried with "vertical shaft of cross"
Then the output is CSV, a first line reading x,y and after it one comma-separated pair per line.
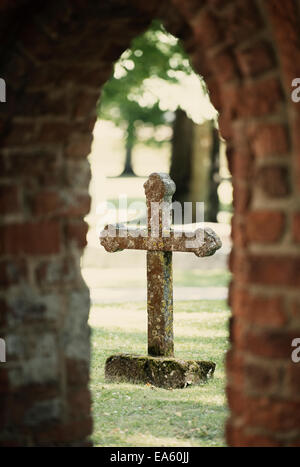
x,y
160,303
159,191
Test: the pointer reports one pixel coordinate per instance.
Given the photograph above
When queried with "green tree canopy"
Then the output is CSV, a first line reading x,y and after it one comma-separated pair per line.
x,y
126,98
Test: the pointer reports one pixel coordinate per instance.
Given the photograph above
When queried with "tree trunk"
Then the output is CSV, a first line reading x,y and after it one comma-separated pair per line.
x,y
182,151
214,178
130,138
195,164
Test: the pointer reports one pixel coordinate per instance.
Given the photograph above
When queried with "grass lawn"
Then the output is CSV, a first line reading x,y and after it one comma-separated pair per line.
x,y
136,415
200,278
130,277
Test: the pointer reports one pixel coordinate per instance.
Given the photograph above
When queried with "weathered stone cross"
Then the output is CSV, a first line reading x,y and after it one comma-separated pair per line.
x,y
160,240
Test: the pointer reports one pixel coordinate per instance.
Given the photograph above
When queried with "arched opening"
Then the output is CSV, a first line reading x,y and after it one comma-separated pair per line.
x,y
161,105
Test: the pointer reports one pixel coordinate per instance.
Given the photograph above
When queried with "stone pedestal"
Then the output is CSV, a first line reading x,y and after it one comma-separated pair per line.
x,y
164,372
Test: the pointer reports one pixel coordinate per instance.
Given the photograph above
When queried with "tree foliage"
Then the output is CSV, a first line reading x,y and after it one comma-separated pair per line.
x,y
126,98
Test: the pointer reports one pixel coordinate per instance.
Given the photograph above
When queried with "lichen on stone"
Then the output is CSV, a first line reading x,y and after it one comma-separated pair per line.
x,y
162,372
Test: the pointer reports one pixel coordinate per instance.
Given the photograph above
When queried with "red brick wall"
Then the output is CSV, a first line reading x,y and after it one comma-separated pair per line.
x,y
54,58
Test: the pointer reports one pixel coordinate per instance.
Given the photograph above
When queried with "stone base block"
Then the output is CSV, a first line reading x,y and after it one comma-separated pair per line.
x,y
164,372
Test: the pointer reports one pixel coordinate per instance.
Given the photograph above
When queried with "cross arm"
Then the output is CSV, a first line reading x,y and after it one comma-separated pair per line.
x,y
202,242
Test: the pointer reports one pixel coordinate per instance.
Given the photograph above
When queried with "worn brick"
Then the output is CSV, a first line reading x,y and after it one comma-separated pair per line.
x,y
296,148
241,198
47,202
77,206
265,226
260,98
4,380
274,415
241,164
261,379
239,265
269,343
234,367
296,227
51,132
9,199
33,394
236,400
62,434
78,173
259,309
274,181
80,402
238,233
4,310
218,5
237,437
284,18
32,238
224,66
275,270
267,311
80,147
255,59
295,310
85,104
76,234
241,21
77,372
214,91
20,133
12,272
229,96
189,9
40,103
207,29
30,167
269,140
61,204
57,272
293,376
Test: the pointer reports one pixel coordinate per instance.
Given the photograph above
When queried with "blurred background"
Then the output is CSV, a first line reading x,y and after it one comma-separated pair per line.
x,y
155,115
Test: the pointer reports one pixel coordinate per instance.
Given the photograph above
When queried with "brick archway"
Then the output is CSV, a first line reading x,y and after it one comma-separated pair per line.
x,y
54,58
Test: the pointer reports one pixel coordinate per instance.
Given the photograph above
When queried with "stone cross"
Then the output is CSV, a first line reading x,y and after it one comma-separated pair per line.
x,y
159,240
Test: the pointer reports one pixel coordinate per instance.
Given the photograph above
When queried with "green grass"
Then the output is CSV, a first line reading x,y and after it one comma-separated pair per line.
x,y
137,415
117,278
200,278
